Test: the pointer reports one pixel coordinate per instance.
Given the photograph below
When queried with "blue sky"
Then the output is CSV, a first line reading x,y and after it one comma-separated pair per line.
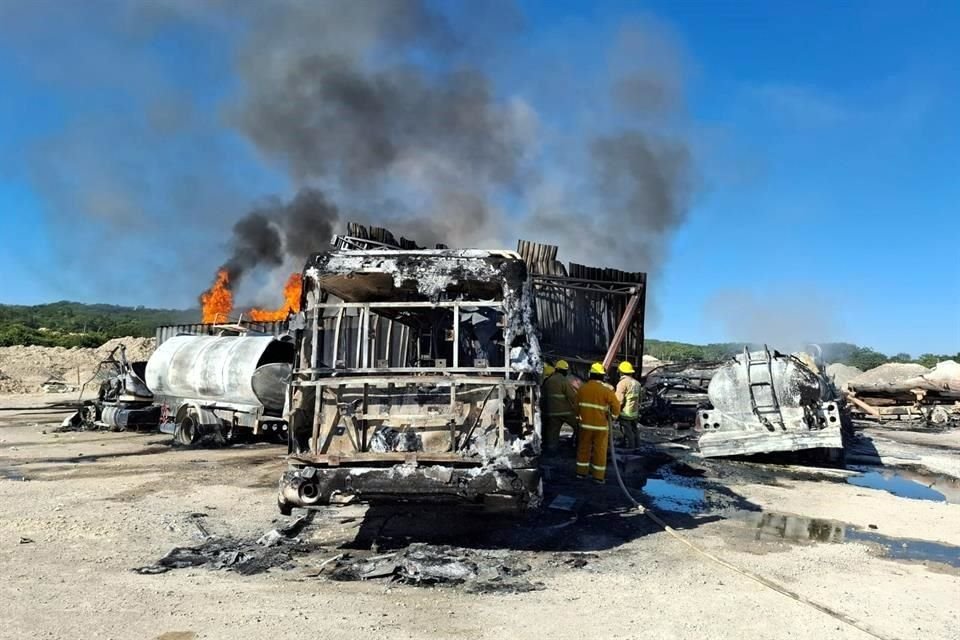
x,y
826,137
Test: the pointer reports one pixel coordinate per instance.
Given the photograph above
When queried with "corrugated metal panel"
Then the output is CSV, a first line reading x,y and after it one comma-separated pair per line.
x,y
376,237
579,307
165,332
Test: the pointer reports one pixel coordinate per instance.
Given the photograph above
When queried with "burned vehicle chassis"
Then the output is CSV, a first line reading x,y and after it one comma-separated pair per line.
x,y
317,478
396,397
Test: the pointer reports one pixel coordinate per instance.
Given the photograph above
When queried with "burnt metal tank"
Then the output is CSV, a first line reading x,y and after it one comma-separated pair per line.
x,y
248,373
765,402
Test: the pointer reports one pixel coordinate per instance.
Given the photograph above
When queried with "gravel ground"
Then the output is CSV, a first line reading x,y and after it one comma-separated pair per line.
x,y
93,506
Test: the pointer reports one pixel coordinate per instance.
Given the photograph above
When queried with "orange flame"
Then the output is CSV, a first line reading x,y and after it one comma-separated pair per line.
x,y
291,302
217,301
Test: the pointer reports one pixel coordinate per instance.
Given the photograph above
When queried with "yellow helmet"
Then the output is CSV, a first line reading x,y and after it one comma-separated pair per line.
x,y
626,368
562,365
597,368
547,370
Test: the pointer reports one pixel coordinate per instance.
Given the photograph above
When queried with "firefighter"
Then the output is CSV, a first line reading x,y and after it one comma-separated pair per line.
x,y
547,371
628,393
598,405
561,403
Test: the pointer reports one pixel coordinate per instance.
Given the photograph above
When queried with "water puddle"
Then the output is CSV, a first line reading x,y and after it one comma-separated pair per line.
x,y
907,549
7,474
668,491
906,484
772,527
768,526
670,495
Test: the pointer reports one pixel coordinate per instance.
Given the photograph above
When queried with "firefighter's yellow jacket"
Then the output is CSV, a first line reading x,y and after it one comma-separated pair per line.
x,y
595,400
561,399
629,392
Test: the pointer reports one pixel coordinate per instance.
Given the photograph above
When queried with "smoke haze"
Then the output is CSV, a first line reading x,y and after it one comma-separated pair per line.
x,y
383,112
788,318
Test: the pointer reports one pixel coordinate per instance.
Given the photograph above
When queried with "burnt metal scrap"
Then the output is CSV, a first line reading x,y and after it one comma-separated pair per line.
x,y
579,307
764,401
424,564
675,393
246,557
417,371
123,399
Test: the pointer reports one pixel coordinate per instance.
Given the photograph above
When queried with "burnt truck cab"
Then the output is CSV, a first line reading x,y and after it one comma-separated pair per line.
x,y
416,378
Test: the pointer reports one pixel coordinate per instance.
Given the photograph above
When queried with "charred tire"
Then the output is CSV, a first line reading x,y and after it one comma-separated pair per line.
x,y
188,429
309,492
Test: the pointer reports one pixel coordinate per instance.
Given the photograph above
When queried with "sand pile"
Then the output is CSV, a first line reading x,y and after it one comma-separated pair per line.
x,y
25,369
945,375
888,374
841,374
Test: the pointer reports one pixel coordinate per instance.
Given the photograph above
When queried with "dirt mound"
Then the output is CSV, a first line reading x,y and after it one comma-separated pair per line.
x,y
888,374
25,369
841,374
946,374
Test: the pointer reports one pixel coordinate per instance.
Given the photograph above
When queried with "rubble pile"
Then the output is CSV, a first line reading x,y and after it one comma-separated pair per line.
x,y
35,369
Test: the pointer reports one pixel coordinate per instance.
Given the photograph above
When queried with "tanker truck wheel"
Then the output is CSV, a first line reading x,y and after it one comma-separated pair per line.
x,y
188,428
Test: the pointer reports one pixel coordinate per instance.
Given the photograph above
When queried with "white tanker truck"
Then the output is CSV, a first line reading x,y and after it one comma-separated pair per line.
x,y
225,388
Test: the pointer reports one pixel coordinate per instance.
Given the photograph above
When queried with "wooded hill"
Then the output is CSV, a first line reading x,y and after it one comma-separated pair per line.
x,y
863,358
72,324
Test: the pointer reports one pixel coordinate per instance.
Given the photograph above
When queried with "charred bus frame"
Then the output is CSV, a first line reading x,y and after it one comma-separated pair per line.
x,y
387,402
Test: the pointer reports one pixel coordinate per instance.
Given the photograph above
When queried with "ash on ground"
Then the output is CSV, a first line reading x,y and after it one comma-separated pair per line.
x,y
422,564
275,549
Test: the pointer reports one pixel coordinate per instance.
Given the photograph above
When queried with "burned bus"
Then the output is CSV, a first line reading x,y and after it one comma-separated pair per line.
x,y
417,375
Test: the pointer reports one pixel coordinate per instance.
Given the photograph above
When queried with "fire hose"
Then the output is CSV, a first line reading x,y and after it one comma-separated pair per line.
x,y
766,582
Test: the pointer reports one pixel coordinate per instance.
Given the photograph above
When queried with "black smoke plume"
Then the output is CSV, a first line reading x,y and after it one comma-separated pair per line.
x,y
383,111
276,231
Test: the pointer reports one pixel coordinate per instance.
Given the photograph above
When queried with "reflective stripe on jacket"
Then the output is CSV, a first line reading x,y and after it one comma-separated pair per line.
x,y
561,399
595,401
629,392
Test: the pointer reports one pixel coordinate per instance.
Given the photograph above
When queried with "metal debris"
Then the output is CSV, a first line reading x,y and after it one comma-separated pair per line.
x,y
764,401
424,564
418,369
275,548
226,553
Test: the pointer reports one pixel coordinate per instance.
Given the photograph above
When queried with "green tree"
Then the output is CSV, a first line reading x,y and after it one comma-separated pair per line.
x,y
865,358
930,360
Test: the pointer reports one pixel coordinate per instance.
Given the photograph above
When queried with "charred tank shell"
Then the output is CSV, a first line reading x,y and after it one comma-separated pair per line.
x,y
246,370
